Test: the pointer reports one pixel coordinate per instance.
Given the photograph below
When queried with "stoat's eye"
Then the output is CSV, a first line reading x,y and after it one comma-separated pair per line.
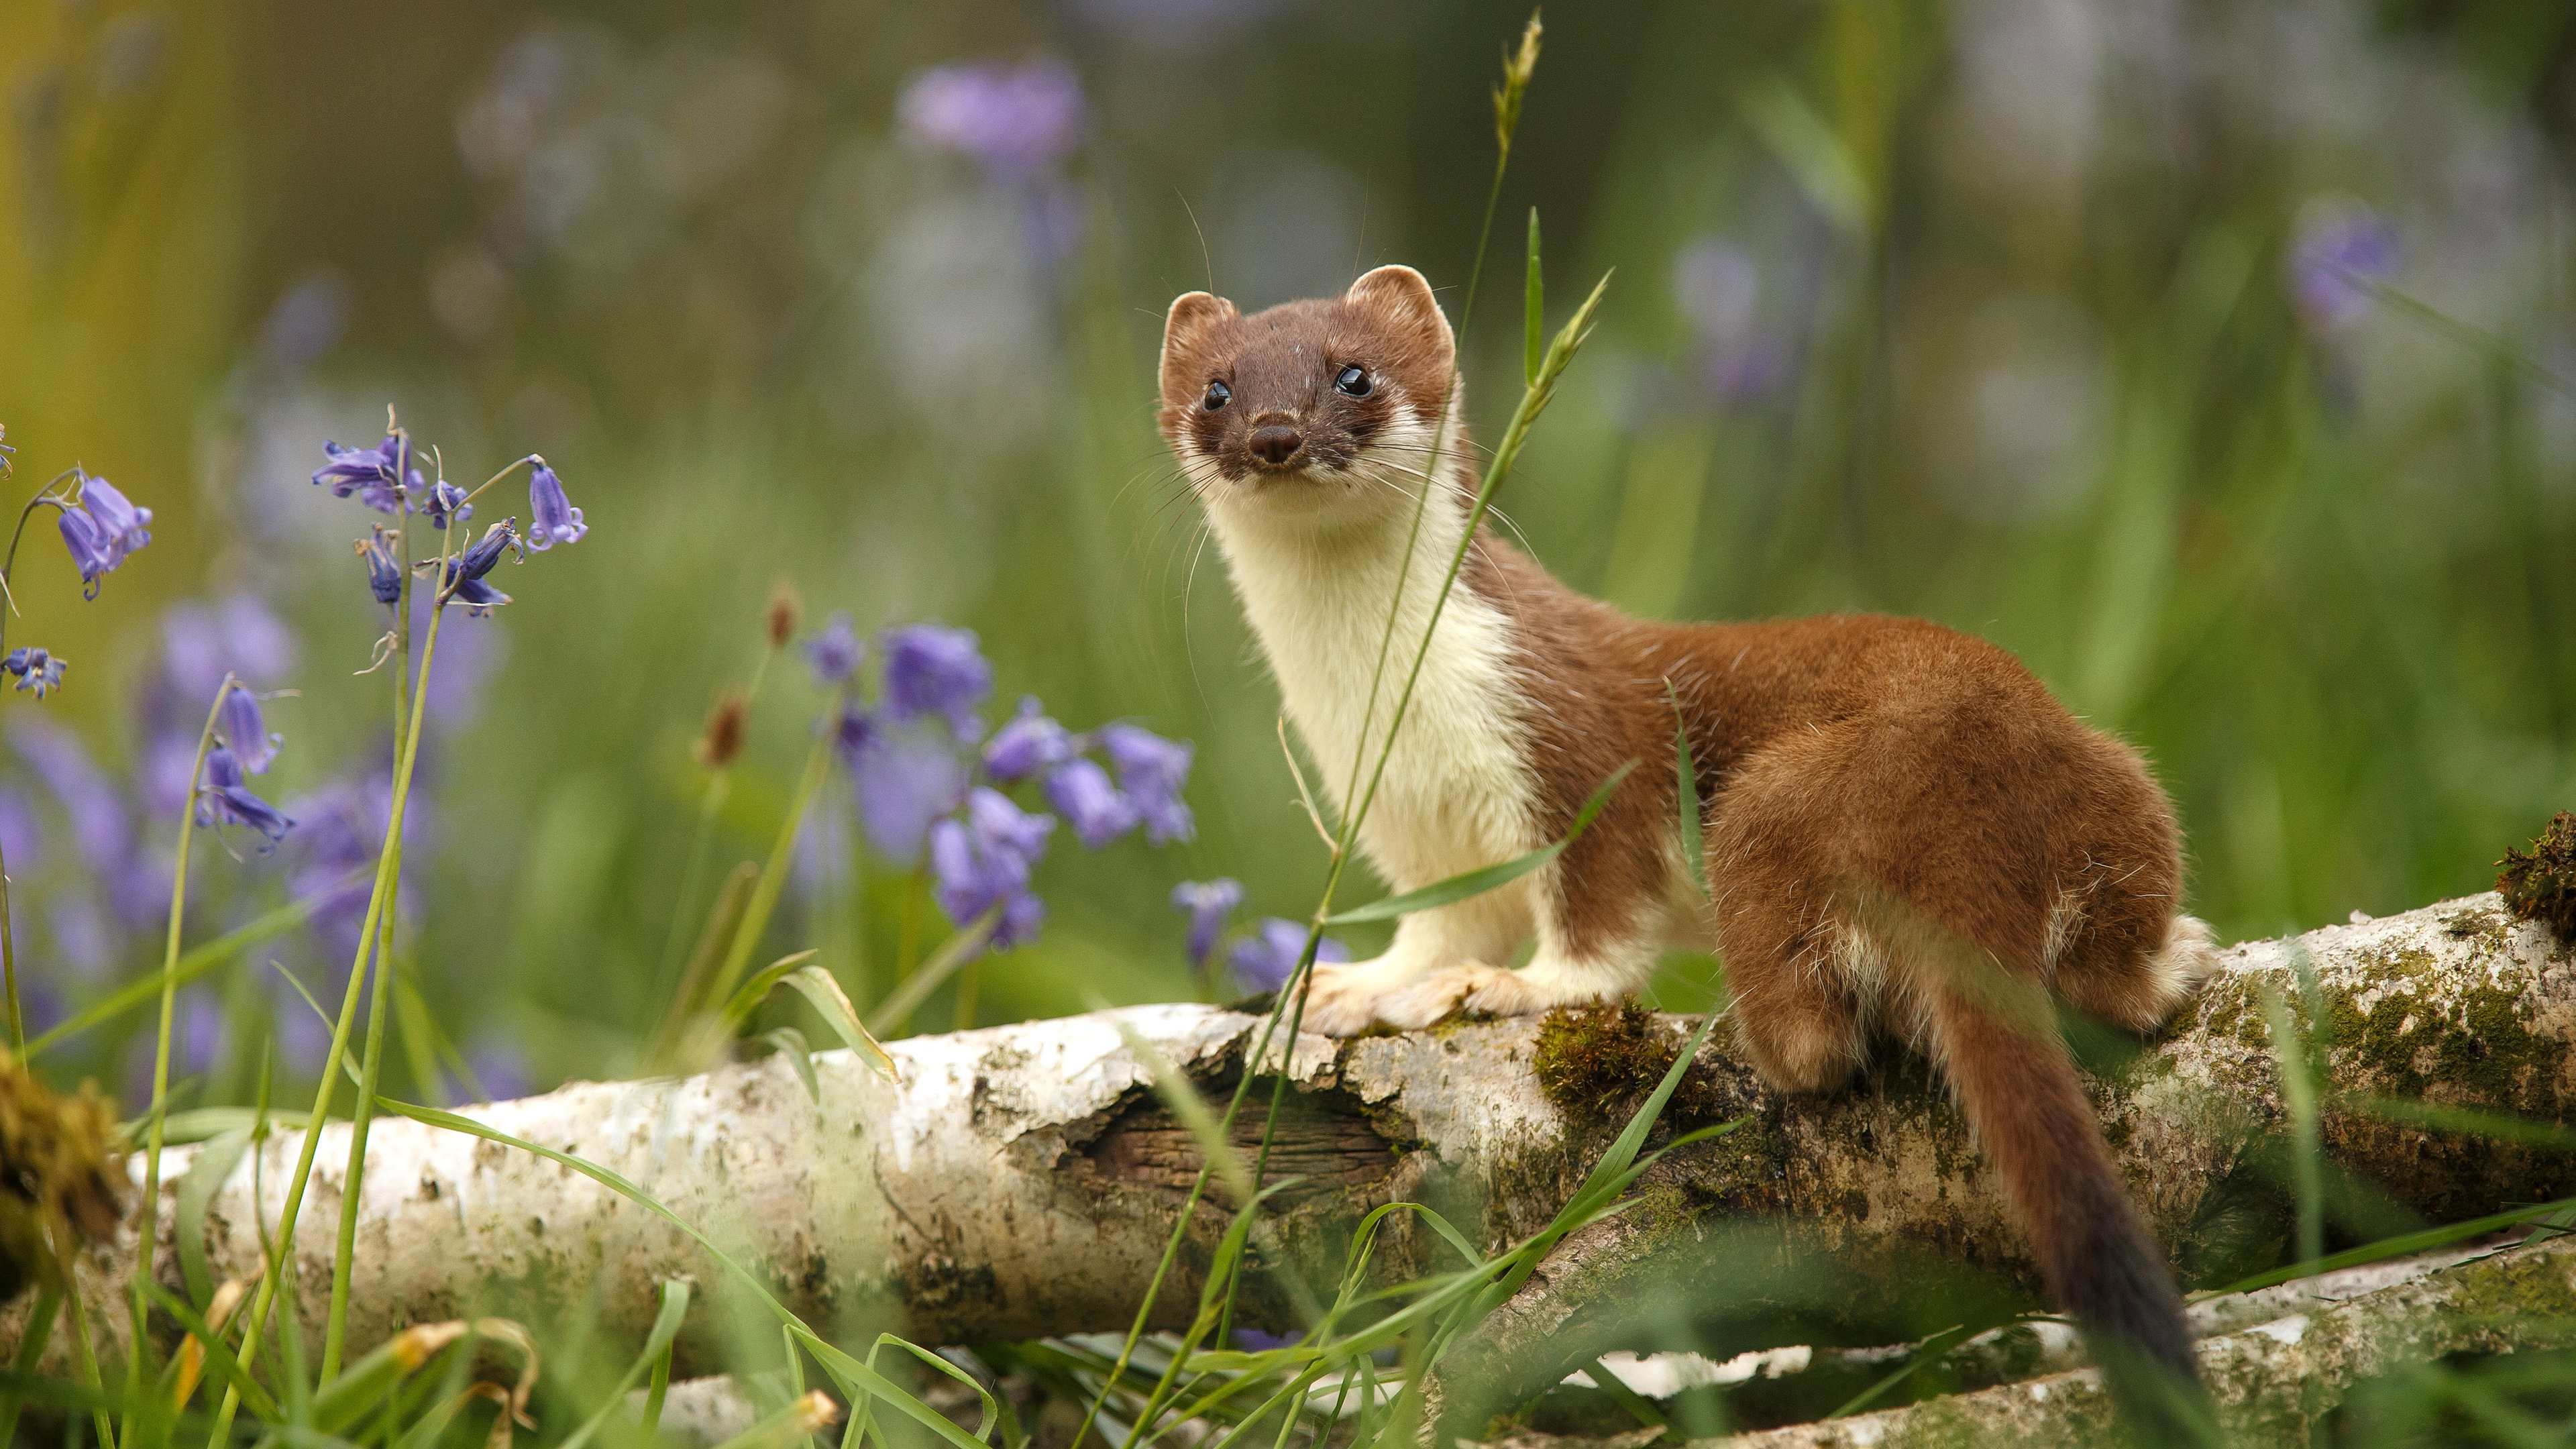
x,y
1218,395
1352,381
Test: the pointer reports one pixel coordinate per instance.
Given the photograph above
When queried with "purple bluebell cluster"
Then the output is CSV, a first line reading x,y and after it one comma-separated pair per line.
x,y
1265,957
384,479
1015,121
2337,252
101,527
1264,960
929,775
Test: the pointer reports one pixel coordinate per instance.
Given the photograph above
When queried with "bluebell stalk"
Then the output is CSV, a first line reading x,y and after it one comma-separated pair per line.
x,y
101,527
460,578
223,778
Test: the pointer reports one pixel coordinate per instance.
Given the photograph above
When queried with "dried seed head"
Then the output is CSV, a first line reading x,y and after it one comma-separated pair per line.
x,y
785,612
57,1154
722,741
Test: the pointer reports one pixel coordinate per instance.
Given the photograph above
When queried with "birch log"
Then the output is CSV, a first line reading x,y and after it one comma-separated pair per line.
x,y
1021,1181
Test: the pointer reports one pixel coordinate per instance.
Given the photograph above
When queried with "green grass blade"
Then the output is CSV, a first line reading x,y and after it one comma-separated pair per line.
x,y
1533,313
753,992
833,1005
2396,1247
1687,813
192,965
791,1044
2468,1120
657,1351
219,1356
1624,1396
1476,882
197,1187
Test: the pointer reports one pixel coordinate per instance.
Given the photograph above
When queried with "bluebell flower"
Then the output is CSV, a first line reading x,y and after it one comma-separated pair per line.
x,y
835,653
384,571
2338,251
1264,960
1210,904
225,800
447,504
381,477
904,780
1015,121
465,572
100,530
1152,771
38,671
551,517
238,724
985,860
1099,811
1025,744
22,836
934,670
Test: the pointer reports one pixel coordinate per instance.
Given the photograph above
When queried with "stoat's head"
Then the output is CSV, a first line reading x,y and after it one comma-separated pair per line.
x,y
1309,409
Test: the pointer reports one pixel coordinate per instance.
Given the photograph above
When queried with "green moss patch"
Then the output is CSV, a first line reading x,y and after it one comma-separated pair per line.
x,y
1598,1064
2540,884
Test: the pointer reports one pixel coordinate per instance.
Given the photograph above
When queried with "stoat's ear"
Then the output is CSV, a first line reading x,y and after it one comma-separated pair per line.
x,y
1193,316
1402,302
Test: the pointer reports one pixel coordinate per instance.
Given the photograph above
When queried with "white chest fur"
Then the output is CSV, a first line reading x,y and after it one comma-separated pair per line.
x,y
1316,582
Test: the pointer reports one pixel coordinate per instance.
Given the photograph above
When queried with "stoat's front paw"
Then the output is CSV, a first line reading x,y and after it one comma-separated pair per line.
x,y
1342,1000
1467,986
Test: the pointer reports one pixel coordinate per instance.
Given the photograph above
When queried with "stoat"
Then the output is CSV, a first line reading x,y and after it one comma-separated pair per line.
x,y
1904,832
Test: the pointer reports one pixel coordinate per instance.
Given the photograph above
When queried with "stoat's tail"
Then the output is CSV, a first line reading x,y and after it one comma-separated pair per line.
x,y
2019,1091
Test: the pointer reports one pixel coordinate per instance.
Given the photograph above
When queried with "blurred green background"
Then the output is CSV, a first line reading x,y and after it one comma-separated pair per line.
x,y
2050,319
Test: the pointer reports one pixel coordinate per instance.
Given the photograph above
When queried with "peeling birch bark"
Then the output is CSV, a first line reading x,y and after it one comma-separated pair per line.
x,y
1021,1181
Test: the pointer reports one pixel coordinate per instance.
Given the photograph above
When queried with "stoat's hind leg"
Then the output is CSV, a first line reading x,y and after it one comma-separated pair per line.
x,y
1801,980
2137,975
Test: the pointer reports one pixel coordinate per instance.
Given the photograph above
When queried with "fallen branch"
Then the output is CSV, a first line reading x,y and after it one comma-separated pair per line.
x,y
1020,1181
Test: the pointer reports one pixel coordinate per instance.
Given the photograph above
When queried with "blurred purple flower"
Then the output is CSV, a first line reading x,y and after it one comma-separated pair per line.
x,y
1152,771
1026,743
984,861
81,932
1264,960
22,836
904,779
226,800
934,670
1718,289
1014,121
2337,251
835,653
303,1037
101,529
197,1036
1099,812
1253,1340
342,835
551,517
201,643
239,726
501,1069
1210,904
306,320
37,670
100,831
465,663
382,477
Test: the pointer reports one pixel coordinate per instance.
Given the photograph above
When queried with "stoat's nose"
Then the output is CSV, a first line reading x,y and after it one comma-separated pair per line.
x,y
1274,439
